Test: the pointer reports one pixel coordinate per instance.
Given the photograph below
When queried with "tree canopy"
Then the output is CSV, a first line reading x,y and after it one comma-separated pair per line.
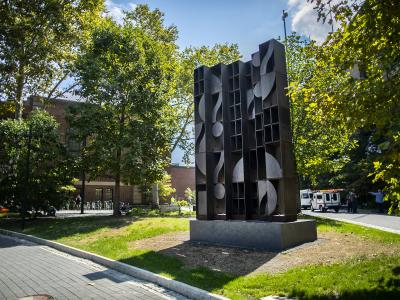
x,y
354,84
39,41
128,74
35,166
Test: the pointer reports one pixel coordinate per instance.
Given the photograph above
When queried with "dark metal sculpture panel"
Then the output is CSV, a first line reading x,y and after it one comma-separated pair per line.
x,y
244,158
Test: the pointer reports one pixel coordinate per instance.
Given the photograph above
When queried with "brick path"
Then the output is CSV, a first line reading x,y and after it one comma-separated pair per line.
x,y
31,269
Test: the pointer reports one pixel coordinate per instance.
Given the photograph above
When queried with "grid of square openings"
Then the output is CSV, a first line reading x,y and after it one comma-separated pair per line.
x,y
238,198
267,126
198,81
234,107
271,123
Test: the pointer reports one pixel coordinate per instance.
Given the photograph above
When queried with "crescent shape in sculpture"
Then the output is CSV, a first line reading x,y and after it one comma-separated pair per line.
x,y
238,174
265,187
272,198
266,58
267,82
201,163
273,168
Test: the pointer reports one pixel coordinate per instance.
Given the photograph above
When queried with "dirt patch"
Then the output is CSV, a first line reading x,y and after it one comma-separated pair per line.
x,y
331,247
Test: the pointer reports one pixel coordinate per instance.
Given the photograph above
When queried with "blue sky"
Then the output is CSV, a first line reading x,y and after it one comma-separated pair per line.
x,y
246,23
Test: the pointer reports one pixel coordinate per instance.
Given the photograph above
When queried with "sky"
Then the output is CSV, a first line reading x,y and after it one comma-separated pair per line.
x,y
246,23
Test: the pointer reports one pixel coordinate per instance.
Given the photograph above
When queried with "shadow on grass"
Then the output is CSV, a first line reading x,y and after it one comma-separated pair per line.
x,y
174,268
54,228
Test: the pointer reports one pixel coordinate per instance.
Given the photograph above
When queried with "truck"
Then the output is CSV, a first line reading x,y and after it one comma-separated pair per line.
x,y
326,199
305,198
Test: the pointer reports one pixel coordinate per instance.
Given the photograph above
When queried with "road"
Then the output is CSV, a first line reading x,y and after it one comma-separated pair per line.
x,y
374,220
28,269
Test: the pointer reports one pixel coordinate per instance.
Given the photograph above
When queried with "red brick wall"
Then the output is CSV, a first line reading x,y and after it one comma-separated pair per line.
x,y
181,179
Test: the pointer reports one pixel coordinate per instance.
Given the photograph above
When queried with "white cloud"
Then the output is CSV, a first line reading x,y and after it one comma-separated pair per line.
x,y
116,11
304,20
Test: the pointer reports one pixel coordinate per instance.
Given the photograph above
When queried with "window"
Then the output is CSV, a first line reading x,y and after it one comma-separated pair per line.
x,y
334,197
304,196
109,195
99,194
319,196
327,197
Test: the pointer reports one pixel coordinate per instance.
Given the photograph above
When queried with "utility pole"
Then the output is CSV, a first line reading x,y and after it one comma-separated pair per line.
x,y
27,171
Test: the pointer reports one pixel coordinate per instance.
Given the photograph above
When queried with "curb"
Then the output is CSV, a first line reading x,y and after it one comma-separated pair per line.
x,y
176,286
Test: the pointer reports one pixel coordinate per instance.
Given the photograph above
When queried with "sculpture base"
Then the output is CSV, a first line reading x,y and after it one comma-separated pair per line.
x,y
273,236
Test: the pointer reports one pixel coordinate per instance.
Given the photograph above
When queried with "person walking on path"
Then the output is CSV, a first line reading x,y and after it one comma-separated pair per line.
x,y
378,199
352,202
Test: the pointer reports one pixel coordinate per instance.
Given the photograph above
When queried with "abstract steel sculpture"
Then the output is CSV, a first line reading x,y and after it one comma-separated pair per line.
x,y
245,166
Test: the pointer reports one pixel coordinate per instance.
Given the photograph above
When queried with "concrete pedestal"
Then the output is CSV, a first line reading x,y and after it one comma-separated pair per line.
x,y
273,236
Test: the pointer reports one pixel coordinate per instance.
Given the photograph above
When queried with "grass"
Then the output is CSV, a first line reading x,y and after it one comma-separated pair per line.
x,y
360,278
324,225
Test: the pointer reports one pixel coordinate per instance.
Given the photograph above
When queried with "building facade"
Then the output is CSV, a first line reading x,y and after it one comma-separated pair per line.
x,y
99,192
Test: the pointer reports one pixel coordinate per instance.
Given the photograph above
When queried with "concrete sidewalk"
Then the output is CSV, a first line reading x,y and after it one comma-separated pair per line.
x,y
31,269
373,220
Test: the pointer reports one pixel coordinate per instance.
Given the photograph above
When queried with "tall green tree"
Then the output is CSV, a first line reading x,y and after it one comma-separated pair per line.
x,y
39,40
364,55
321,143
35,166
128,73
190,59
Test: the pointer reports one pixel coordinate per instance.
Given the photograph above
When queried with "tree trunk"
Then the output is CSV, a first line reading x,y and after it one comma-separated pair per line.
x,y
155,203
117,194
19,101
118,162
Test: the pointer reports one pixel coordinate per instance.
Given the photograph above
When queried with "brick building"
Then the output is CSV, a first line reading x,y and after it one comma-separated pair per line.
x,y
181,178
101,189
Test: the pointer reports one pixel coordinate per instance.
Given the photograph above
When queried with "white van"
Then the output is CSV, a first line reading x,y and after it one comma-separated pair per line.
x,y
326,199
305,198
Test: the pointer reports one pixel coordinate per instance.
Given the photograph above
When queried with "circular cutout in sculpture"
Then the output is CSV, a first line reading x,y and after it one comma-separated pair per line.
x,y
217,129
219,191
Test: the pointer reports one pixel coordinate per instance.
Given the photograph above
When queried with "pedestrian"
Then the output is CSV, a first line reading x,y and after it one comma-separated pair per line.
x,y
354,202
349,203
78,200
378,199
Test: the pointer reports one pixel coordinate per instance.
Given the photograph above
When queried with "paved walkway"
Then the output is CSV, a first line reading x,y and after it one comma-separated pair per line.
x,y
87,213
374,220
31,269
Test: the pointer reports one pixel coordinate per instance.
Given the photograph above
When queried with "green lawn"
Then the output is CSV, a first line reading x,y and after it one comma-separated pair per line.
x,y
360,278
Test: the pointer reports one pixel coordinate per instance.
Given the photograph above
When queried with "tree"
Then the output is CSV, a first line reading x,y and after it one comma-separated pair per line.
x,y
321,143
128,75
363,56
35,167
189,59
39,40
165,188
